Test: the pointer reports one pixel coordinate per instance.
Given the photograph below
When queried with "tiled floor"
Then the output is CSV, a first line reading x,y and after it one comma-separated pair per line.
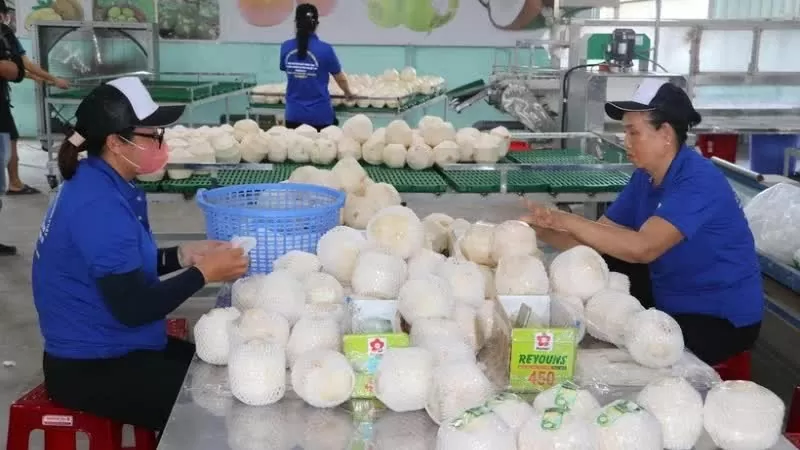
x,y
20,341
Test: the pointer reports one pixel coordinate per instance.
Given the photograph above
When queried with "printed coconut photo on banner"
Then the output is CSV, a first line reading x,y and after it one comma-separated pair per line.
x,y
139,11
520,15
51,10
189,19
422,16
268,13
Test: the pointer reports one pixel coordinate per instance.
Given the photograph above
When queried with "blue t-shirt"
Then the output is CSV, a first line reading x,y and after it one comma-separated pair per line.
x,y
714,270
307,98
96,226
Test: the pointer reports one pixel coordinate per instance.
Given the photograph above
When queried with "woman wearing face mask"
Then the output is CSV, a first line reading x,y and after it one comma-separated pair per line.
x,y
96,267
677,229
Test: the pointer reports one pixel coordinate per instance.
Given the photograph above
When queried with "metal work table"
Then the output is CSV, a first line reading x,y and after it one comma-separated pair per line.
x,y
207,417
277,110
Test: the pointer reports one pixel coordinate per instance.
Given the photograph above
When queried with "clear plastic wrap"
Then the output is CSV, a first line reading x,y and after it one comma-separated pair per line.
x,y
456,387
495,355
624,425
313,333
678,407
512,409
607,314
519,274
654,339
476,429
476,244
773,215
741,415
426,297
611,373
555,429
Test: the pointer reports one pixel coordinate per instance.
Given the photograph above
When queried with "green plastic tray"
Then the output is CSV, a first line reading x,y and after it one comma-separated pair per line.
x,y
473,181
408,180
412,102
149,186
188,186
585,181
568,156
169,91
235,177
527,182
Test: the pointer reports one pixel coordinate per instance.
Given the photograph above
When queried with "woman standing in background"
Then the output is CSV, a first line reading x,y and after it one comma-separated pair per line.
x,y
308,62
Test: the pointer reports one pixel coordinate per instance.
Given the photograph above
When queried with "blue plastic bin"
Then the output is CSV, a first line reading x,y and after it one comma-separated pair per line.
x,y
282,217
767,152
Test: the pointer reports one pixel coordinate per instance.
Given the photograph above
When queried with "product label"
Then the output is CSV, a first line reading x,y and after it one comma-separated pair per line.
x,y
541,358
566,394
615,410
365,353
552,418
470,415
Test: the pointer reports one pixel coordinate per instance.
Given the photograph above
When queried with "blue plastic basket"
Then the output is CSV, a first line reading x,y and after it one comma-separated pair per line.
x,y
282,217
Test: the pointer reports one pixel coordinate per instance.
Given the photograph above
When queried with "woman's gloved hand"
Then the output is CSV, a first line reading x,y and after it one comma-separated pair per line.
x,y
191,253
223,264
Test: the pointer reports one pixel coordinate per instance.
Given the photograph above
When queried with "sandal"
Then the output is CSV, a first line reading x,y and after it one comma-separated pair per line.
x,y
26,190
7,250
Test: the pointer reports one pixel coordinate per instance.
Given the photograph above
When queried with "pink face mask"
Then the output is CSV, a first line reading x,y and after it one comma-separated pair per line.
x,y
152,157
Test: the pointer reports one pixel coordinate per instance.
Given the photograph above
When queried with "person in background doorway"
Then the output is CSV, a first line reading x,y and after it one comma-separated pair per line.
x,y
12,70
11,46
309,62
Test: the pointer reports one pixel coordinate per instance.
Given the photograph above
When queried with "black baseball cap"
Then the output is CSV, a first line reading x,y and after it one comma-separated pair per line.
x,y
655,94
121,104
4,8
306,11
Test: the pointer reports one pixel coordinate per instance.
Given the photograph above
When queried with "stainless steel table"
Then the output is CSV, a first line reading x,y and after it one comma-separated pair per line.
x,y
207,417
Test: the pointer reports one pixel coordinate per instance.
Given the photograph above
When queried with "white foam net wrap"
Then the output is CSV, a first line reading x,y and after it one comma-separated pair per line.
x,y
654,339
554,429
313,333
403,378
773,216
378,275
579,272
258,324
741,415
323,378
257,373
678,407
456,387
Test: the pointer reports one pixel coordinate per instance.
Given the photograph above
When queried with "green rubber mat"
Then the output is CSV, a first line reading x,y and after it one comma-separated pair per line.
x,y
170,91
585,180
188,186
408,180
473,181
568,156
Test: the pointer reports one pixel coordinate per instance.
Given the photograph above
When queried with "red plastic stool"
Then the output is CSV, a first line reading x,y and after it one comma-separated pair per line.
x,y
794,439
35,411
793,420
736,367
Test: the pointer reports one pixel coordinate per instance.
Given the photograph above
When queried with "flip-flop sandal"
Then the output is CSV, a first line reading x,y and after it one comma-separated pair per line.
x,y
26,190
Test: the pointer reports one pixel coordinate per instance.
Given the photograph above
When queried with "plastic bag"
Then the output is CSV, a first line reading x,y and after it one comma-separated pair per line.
x,y
773,215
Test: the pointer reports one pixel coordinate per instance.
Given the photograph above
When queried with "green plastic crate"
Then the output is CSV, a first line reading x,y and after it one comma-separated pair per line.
x,y
473,181
585,181
527,181
567,156
408,180
189,185
169,91
236,177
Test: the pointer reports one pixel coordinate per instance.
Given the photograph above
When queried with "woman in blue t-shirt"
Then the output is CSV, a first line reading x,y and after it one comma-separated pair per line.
x,y
677,229
308,62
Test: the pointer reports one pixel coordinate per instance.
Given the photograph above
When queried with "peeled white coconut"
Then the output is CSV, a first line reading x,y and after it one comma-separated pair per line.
x,y
226,149
654,339
505,139
338,251
258,324
487,149
372,151
257,373
678,407
487,431
300,148
211,335
277,130
313,333
577,401
607,314
379,275
466,139
624,425
396,230
488,275
466,317
245,291
306,131
244,127
379,134
568,312
417,139
398,132
425,298
358,210
324,152
174,143
556,430
437,133
282,293
331,132
465,280
579,271
347,147
424,263
323,378
741,415
476,245
358,127
254,148
456,387
350,174
619,282
521,275
180,155
278,149
298,262
447,349
382,195
513,237
429,122
419,157
512,409
394,156
323,288
152,177
408,74
446,152
303,175
437,230
403,378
